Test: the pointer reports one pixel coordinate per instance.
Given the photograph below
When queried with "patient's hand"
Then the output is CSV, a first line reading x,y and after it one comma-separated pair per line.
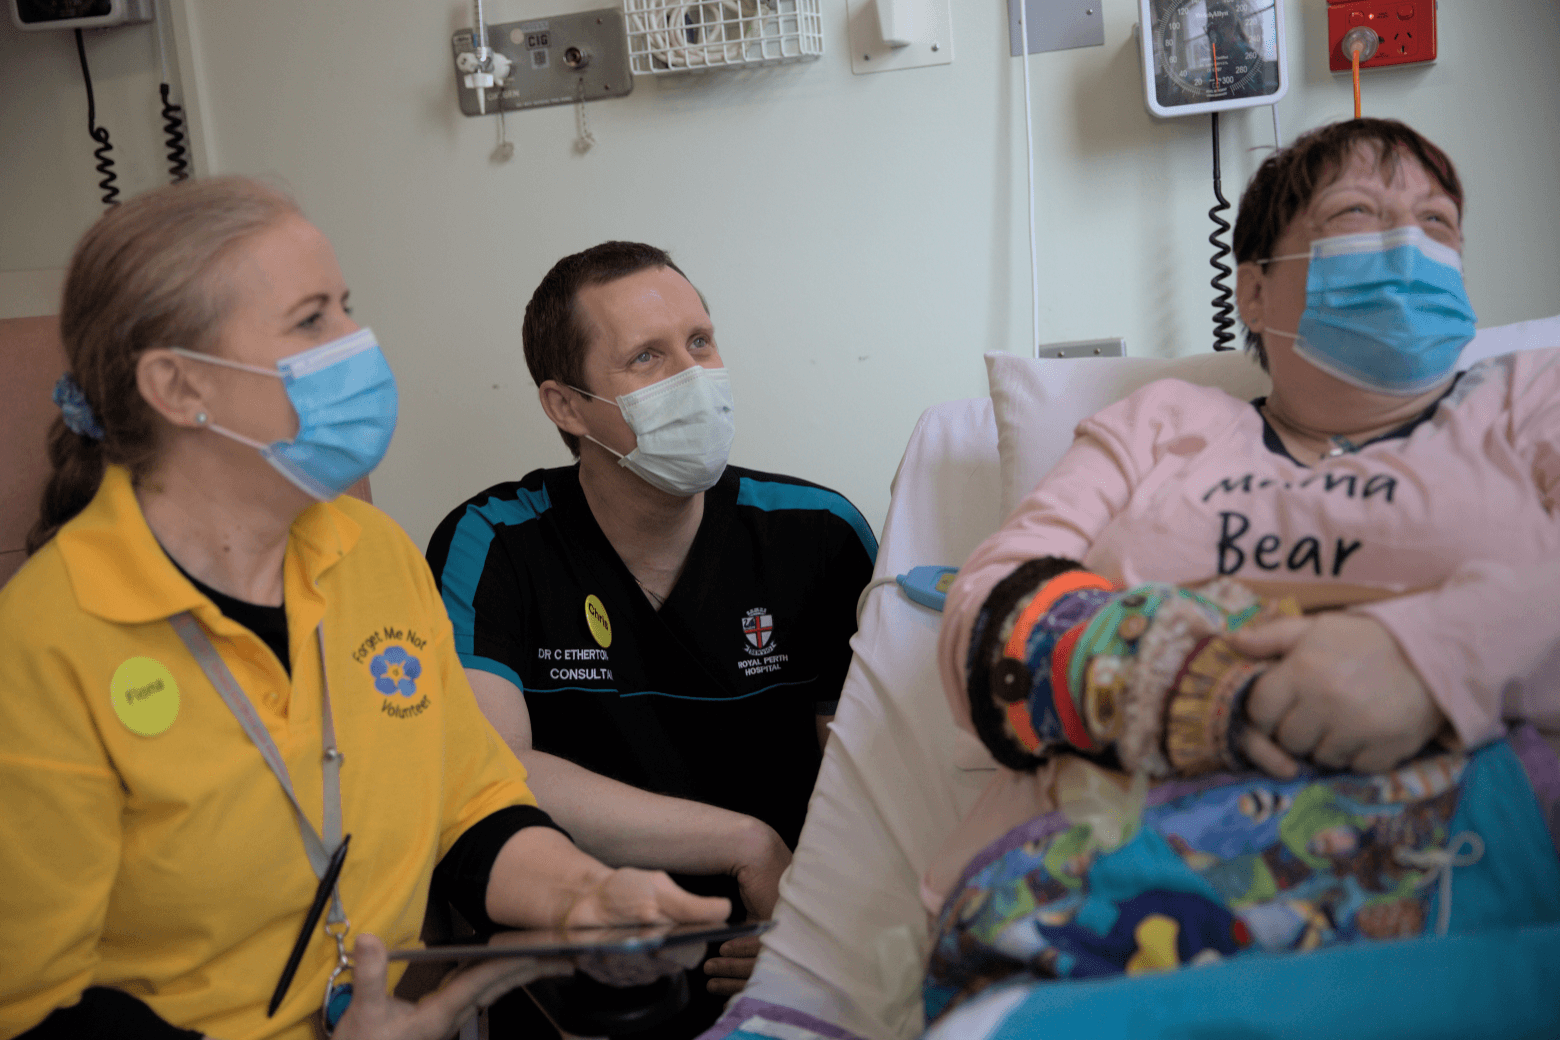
x,y
730,971
1342,695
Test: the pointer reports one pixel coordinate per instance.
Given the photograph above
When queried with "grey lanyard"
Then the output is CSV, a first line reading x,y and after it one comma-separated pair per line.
x,y
318,849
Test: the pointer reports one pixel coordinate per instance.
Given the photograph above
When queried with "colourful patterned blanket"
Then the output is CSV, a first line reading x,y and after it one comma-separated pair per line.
x,y
1235,867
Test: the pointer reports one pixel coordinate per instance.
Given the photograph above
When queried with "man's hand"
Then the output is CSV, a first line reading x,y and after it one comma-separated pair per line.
x,y
631,896
1342,695
763,857
376,1015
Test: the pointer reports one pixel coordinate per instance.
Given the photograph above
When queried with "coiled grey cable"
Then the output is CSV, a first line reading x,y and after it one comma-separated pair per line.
x,y
173,115
104,150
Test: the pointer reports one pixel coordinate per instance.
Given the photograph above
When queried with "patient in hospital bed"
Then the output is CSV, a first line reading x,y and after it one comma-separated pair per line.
x,y
1358,572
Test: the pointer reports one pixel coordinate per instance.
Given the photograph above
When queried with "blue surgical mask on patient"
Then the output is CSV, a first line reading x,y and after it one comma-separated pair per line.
x,y
1384,310
346,400
683,427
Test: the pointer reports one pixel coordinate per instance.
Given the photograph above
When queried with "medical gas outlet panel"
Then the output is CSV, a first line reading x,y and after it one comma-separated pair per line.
x,y
558,60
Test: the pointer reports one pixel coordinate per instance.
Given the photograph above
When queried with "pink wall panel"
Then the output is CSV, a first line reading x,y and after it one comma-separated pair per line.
x,y
31,358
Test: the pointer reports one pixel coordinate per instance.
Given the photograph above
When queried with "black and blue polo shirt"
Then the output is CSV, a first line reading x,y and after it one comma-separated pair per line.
x,y
713,696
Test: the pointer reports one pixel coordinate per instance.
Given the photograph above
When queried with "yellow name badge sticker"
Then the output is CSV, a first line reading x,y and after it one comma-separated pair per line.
x,y
596,619
145,696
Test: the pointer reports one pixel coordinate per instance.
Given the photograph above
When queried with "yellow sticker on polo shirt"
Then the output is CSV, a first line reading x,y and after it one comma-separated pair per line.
x,y
145,696
596,618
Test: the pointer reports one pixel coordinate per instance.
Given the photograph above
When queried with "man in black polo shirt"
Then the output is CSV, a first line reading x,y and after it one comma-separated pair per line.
x,y
661,637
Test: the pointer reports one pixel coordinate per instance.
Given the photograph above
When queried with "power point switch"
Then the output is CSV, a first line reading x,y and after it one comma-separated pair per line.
x,y
1406,32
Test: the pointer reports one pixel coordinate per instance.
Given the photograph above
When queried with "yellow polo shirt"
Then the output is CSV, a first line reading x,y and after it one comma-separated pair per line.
x,y
144,844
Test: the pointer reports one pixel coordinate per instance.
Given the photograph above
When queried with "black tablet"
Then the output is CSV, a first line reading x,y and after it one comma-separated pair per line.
x,y
578,942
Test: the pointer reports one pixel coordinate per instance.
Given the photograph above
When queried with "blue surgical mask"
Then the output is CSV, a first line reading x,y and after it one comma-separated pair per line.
x,y
1384,310
683,427
345,397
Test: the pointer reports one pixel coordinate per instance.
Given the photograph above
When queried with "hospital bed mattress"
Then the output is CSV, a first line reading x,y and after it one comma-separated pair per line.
x,y
850,944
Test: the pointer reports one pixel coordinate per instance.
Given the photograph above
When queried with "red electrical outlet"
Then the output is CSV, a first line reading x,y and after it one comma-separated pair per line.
x,y
1406,29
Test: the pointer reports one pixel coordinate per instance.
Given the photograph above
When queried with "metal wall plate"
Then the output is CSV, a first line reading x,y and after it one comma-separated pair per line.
x,y
1057,25
1081,348
555,61
931,33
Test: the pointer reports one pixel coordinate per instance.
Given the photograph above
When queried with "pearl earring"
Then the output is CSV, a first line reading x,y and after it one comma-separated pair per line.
x,y
200,418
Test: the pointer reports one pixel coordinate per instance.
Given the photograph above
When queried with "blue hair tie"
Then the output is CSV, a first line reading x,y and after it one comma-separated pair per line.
x,y
75,409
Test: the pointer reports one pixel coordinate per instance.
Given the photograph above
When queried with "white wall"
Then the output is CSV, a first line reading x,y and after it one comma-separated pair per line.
x,y
48,184
861,239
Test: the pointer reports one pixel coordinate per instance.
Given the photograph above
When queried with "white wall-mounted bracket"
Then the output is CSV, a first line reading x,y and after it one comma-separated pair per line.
x,y
886,35
896,21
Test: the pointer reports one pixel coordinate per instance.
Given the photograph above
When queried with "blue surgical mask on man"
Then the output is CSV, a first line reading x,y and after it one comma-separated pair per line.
x,y
1384,310
683,426
346,400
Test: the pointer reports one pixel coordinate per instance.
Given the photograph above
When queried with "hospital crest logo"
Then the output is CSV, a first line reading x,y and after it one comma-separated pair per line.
x,y
758,628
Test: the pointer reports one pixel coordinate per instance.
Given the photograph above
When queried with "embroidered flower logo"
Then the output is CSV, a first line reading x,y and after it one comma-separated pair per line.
x,y
395,671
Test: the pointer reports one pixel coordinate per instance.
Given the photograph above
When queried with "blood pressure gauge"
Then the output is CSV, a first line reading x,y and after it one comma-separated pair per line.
x,y
1210,55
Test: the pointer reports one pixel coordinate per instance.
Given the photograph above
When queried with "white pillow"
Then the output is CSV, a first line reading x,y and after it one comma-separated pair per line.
x,y
1508,339
1040,401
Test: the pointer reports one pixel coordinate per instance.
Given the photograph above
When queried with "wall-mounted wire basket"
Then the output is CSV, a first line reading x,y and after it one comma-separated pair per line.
x,y
682,36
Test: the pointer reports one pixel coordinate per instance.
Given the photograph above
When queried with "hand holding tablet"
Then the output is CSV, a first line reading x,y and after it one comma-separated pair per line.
x,y
626,976
639,940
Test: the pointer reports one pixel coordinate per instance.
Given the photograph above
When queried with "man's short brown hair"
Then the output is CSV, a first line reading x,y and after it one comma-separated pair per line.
x,y
554,336
1287,180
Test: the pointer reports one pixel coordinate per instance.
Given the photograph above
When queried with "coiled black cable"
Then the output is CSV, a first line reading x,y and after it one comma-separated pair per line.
x,y
173,126
1222,307
105,160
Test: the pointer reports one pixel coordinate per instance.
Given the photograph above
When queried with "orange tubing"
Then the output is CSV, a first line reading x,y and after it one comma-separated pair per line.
x,y
1356,81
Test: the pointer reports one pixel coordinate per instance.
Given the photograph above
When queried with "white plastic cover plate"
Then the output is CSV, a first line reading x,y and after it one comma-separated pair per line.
x,y
926,24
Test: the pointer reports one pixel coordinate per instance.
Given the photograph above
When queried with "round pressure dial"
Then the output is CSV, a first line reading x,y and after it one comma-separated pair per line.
x,y
1204,55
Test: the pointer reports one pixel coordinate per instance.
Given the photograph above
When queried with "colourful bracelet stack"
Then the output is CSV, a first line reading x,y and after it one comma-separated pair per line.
x,y
1141,672
1021,681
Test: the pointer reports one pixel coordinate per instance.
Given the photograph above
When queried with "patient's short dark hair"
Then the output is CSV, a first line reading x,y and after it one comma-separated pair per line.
x,y
554,337
1288,179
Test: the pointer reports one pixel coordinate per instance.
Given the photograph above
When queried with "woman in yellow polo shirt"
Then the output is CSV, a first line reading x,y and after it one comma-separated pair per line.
x,y
213,668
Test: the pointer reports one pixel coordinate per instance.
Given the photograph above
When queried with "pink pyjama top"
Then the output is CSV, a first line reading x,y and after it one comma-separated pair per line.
x,y
1178,483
